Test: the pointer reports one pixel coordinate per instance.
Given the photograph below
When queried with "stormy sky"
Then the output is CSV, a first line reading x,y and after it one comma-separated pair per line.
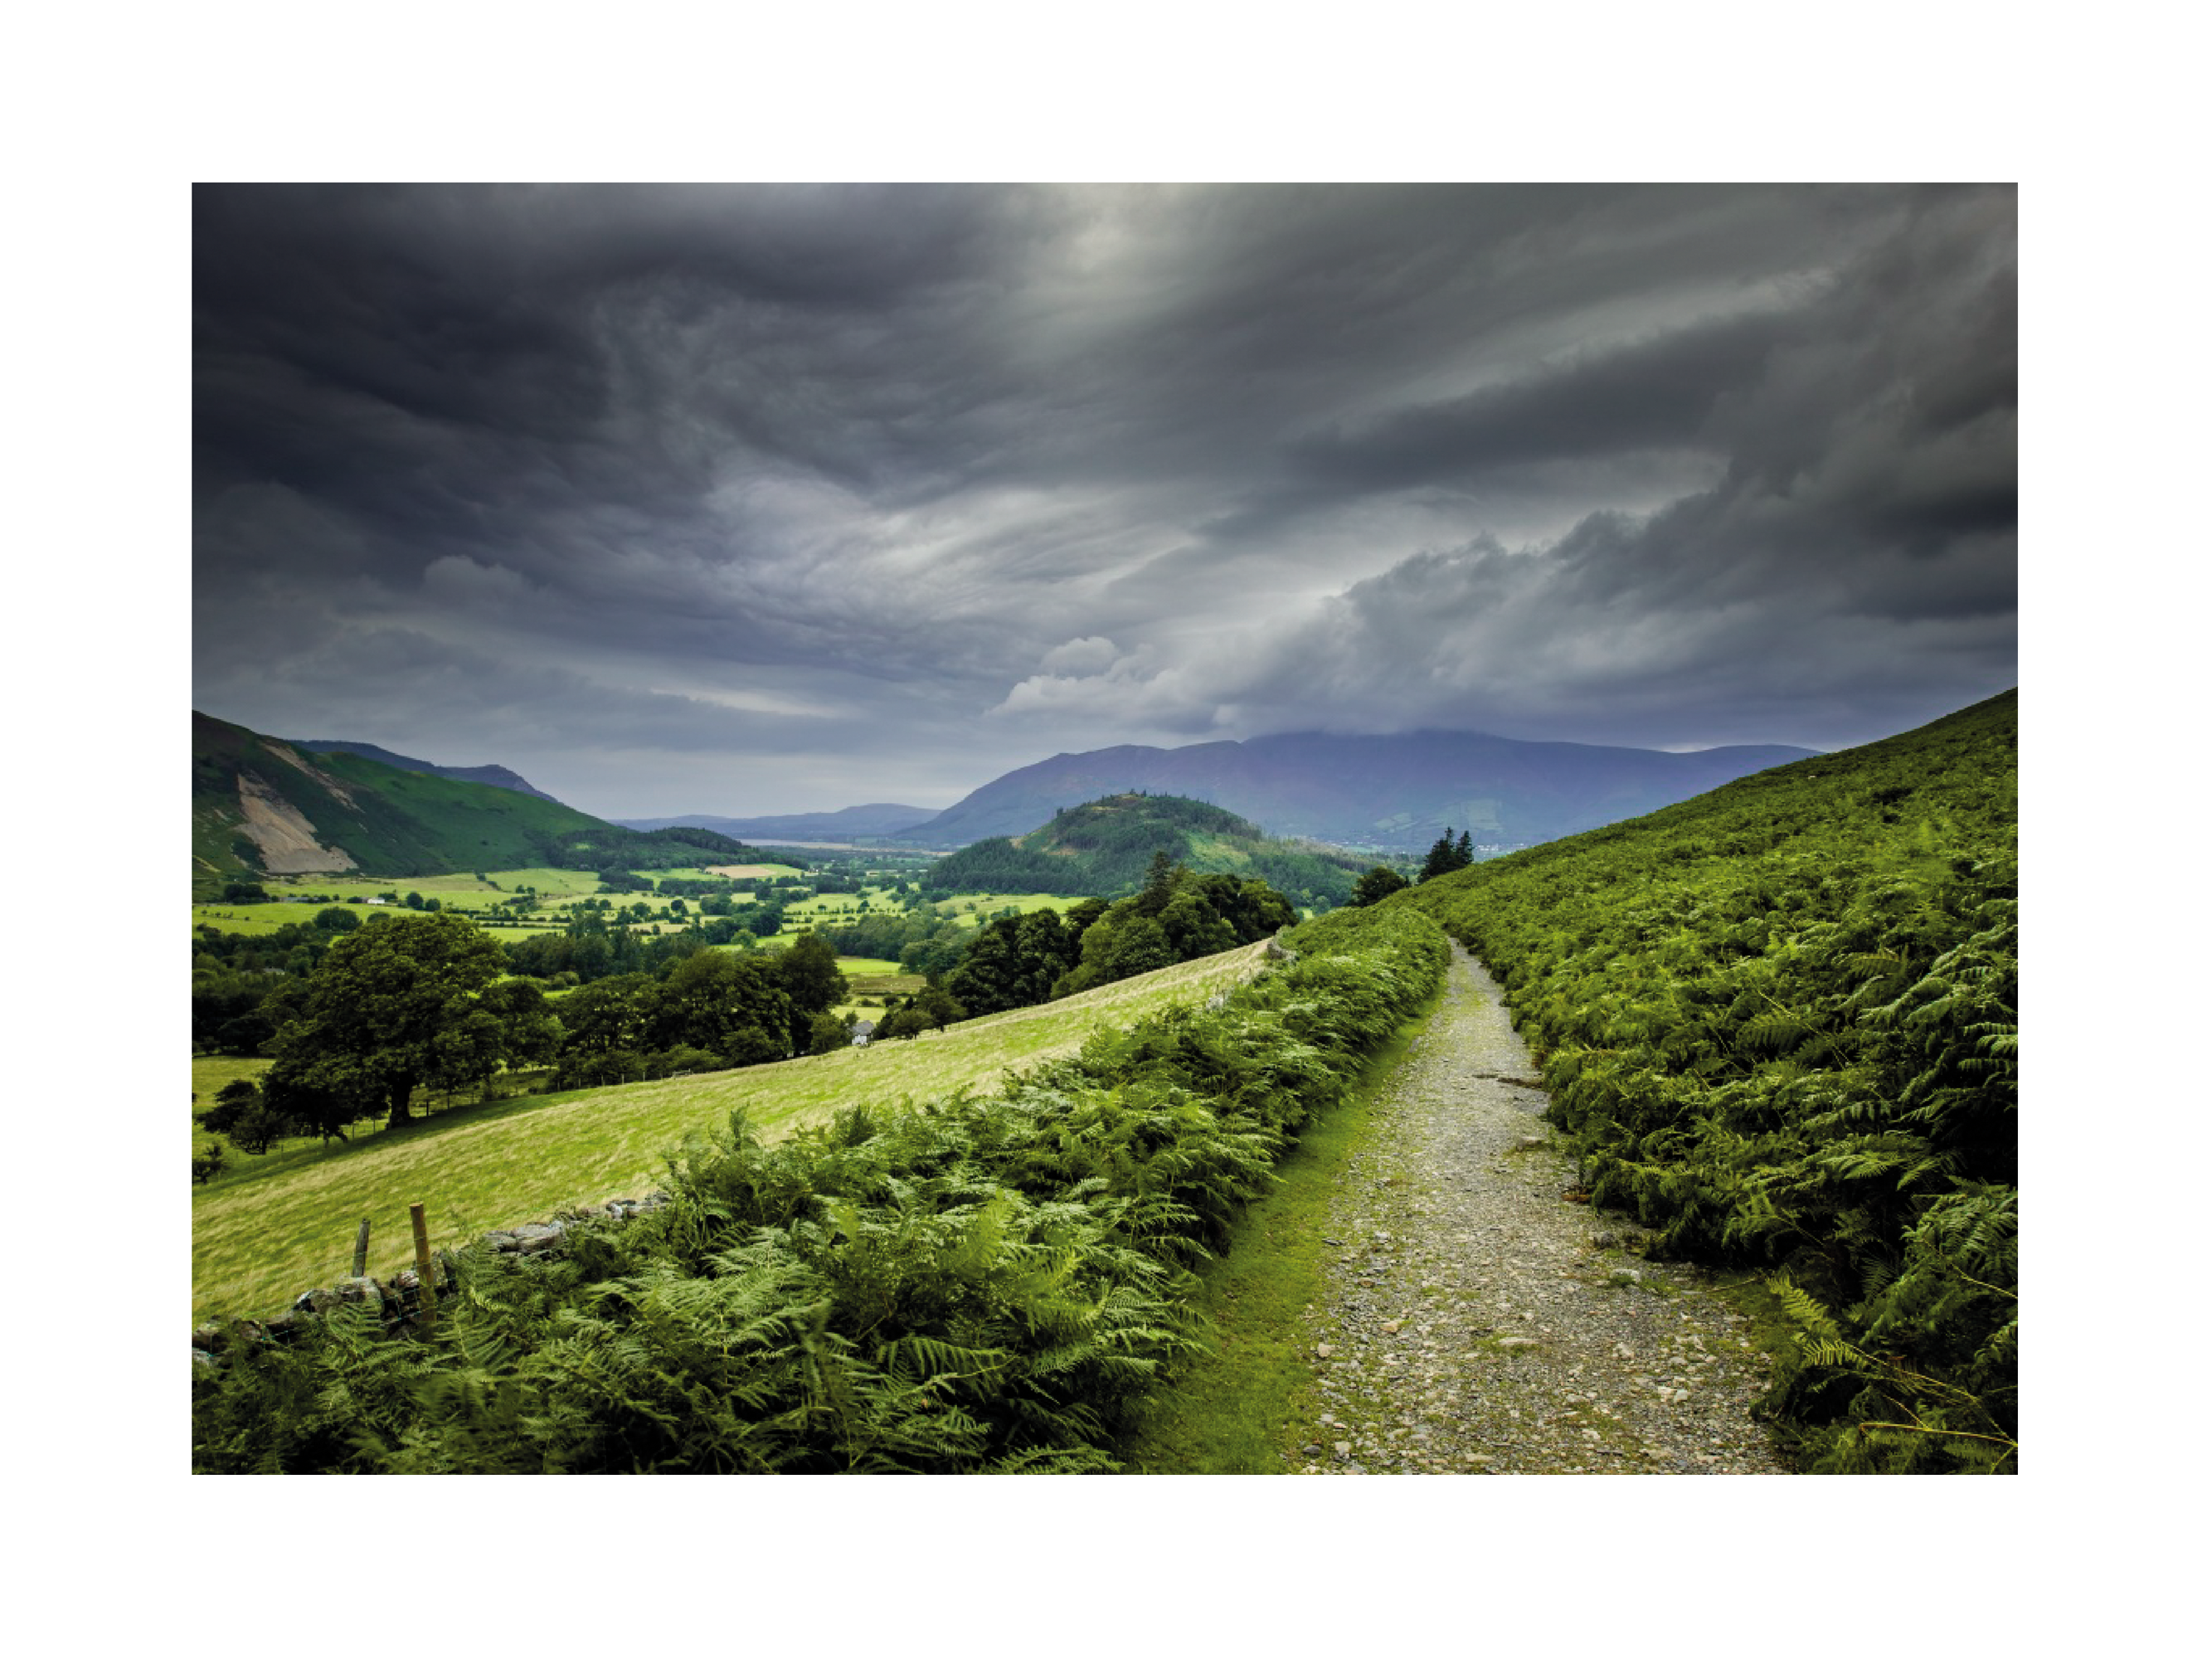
x,y
764,499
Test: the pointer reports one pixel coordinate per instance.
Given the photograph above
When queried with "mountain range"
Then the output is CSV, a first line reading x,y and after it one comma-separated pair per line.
x,y
330,804
1381,793
878,819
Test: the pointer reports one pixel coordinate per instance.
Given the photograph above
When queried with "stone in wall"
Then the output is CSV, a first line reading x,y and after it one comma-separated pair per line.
x,y
399,1301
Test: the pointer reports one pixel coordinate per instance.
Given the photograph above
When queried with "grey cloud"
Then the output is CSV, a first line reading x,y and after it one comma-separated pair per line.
x,y
1115,463
1658,393
1856,563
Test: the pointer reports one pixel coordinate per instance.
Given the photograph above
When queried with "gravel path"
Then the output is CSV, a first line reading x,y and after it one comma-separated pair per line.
x,y
1477,1322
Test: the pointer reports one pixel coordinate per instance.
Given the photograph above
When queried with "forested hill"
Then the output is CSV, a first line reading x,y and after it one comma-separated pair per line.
x,y
260,808
1104,848
1780,1023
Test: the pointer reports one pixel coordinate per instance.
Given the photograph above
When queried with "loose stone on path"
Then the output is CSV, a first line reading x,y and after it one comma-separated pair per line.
x,y
1477,1322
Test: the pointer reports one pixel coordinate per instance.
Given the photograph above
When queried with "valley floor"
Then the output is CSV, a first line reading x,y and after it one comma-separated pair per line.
x,y
1475,1320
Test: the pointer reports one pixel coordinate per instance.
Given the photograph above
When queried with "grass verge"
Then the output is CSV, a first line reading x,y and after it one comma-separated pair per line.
x,y
1238,1408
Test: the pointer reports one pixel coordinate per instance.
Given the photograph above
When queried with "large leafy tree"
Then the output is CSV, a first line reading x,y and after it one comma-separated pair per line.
x,y
399,1004
733,1007
1013,962
808,973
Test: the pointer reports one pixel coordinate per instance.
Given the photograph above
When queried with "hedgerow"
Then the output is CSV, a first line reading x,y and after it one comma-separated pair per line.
x,y
977,1284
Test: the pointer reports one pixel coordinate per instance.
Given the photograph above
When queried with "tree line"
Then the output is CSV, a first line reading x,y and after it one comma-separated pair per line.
x,y
363,1018
421,1002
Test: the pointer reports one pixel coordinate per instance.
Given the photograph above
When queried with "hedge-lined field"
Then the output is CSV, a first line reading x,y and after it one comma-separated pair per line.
x,y
978,1284
260,1240
1779,1022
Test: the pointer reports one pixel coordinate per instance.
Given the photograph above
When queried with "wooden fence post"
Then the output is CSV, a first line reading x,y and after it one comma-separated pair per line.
x,y
423,1268
361,1250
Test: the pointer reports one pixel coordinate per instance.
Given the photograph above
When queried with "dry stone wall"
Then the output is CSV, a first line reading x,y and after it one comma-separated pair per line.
x,y
399,1301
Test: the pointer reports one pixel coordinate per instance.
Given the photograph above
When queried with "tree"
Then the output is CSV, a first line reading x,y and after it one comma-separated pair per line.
x,y
1195,928
1448,856
608,1014
1377,885
734,1005
940,1006
252,1123
1161,882
294,1104
367,1029
808,972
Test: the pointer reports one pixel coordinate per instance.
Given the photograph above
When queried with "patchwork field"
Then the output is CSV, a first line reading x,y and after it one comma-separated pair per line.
x,y
257,1242
973,908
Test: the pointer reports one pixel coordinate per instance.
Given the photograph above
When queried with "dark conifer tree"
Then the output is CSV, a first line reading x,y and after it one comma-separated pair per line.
x,y
1439,861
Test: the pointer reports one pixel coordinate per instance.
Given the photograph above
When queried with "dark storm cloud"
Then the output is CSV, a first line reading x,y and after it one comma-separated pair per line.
x,y
1655,394
592,476
1855,565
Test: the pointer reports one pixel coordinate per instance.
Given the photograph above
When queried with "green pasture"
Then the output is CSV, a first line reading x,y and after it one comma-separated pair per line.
x,y
836,906
268,918
975,908
260,1240
253,918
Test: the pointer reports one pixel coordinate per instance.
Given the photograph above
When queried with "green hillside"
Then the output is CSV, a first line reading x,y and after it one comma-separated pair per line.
x,y
1779,1024
259,1242
261,807
1104,848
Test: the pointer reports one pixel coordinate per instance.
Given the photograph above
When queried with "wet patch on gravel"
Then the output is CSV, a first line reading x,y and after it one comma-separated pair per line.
x,y
1477,1322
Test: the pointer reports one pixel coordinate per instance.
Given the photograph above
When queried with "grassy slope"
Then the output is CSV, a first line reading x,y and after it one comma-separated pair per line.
x,y
392,821
258,1242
